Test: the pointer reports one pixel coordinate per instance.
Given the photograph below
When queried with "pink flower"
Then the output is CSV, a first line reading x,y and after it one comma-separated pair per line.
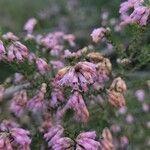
x,y
38,103
10,36
76,103
42,65
2,50
145,107
98,34
18,51
70,38
56,140
87,141
78,76
13,137
30,24
57,97
140,95
18,103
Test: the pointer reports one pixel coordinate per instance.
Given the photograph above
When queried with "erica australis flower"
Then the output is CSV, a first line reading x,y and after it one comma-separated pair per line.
x,y
13,137
107,140
42,65
37,103
18,103
30,24
70,38
56,140
57,97
17,51
57,64
139,15
78,76
98,34
86,140
2,50
76,103
10,36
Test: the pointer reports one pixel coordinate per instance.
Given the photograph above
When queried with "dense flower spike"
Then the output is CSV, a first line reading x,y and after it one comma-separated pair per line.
x,y
29,25
18,103
77,103
38,103
17,51
98,34
13,137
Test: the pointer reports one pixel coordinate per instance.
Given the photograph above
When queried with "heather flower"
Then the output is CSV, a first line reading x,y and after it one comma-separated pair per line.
x,y
56,140
30,24
17,51
140,15
118,85
37,103
12,136
116,99
57,97
21,138
140,95
42,65
98,34
115,128
10,36
78,76
87,141
107,140
76,103
18,103
2,50
122,110
70,38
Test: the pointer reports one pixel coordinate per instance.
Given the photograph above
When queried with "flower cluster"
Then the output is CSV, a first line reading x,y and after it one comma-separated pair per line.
x,y
139,15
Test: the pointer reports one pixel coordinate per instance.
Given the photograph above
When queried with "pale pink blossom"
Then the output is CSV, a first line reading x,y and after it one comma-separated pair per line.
x,y
30,24
77,103
42,65
18,103
10,36
2,50
98,34
17,51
